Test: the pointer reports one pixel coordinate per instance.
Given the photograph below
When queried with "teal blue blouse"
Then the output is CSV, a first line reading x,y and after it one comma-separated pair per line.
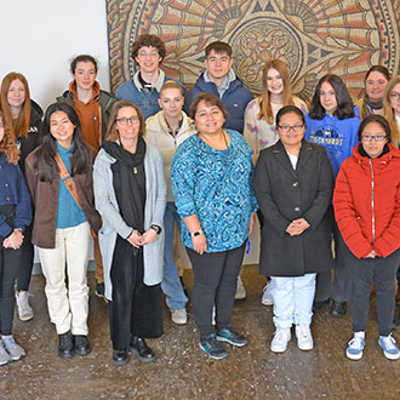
x,y
217,186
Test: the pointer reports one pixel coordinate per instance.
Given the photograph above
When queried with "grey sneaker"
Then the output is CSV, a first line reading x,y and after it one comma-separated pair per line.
x,y
4,357
25,312
14,350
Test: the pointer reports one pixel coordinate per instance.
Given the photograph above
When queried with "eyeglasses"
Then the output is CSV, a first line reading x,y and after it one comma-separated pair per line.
x,y
288,128
153,54
368,138
125,121
395,95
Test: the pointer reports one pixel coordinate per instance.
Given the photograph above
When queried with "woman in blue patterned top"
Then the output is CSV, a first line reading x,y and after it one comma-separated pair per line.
x,y
211,178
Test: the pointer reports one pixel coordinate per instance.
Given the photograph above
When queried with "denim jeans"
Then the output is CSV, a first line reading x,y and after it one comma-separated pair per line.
x,y
293,299
171,284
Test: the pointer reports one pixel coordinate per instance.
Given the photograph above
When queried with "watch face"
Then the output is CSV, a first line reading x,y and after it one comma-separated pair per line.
x,y
156,228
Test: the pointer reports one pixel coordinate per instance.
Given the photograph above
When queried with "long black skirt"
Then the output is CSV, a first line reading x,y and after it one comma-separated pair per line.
x,y
136,309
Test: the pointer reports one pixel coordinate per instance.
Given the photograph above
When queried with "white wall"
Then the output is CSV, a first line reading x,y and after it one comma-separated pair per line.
x,y
39,39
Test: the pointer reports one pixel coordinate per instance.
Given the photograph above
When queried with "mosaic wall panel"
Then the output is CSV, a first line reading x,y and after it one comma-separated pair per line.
x,y
315,37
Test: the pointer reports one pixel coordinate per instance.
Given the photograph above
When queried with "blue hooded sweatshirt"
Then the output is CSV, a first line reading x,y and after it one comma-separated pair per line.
x,y
338,136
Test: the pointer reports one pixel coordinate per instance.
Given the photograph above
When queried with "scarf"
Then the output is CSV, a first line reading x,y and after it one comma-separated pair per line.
x,y
129,182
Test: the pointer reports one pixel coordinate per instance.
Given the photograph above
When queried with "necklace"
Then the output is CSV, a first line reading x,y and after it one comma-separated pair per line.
x,y
213,146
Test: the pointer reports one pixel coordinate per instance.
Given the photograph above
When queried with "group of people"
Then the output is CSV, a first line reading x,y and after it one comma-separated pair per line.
x,y
128,170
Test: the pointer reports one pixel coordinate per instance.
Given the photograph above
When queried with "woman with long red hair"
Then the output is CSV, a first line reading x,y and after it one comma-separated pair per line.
x,y
15,216
22,116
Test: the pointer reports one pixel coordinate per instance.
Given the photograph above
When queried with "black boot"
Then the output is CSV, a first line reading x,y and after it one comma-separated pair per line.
x,y
338,308
82,345
65,345
140,349
120,357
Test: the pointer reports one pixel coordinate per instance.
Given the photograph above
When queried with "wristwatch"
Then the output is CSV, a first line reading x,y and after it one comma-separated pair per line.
x,y
156,228
197,233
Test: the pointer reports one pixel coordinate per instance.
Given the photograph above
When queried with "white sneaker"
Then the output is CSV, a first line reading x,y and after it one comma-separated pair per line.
x,y
25,312
355,347
389,347
304,337
280,340
14,350
179,317
267,299
240,290
4,357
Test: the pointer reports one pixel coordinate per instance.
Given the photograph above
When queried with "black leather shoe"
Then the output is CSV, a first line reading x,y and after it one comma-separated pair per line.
x,y
82,345
140,349
120,357
319,305
65,345
338,308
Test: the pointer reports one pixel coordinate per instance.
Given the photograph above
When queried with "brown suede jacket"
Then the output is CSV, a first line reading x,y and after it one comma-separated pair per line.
x,y
45,198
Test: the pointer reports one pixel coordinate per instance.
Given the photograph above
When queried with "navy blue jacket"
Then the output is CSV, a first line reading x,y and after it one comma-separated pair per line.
x,y
13,191
235,100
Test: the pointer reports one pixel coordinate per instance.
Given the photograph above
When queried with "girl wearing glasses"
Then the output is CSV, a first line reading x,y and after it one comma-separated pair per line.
x,y
130,193
367,210
259,121
293,184
333,123
391,105
22,116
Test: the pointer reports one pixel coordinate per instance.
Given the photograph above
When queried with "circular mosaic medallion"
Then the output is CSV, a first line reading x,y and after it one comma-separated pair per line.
x,y
315,38
258,41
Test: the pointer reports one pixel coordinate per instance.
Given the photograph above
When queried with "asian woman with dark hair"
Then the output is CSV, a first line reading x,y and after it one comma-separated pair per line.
x,y
293,183
367,212
59,175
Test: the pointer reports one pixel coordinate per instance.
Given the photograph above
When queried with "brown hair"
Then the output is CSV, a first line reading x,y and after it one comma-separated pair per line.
x,y
209,99
82,58
388,111
112,134
265,102
219,47
147,40
7,144
171,85
21,127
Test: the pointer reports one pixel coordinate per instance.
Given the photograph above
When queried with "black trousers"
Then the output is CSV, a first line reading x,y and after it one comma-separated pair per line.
x,y
24,268
135,309
9,261
215,279
342,279
382,271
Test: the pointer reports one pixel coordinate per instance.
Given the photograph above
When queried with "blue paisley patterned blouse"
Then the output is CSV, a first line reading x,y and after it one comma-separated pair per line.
x,y
217,186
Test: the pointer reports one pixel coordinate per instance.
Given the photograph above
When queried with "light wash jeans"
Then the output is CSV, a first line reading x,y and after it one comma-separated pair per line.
x,y
68,307
171,284
293,299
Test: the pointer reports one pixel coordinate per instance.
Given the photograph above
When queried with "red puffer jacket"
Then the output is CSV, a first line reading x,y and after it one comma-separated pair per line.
x,y
367,203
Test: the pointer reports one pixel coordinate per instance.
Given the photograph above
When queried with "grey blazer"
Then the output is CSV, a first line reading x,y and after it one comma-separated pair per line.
x,y
113,224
